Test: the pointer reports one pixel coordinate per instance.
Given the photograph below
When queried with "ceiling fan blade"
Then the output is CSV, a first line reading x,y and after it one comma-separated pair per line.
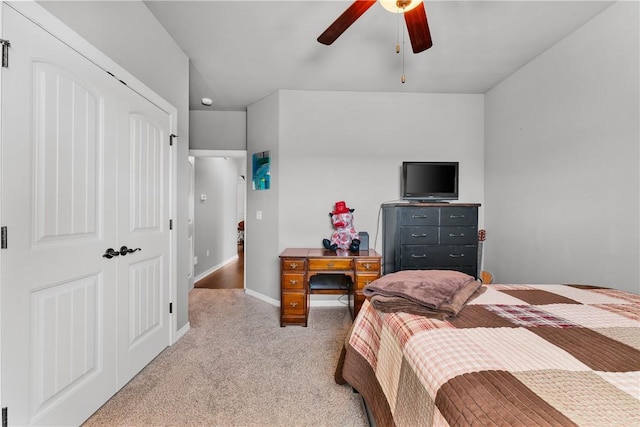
x,y
344,21
418,28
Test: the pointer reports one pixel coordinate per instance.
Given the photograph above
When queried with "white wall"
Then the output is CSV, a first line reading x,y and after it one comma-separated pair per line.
x,y
130,35
217,130
349,146
215,218
262,236
562,161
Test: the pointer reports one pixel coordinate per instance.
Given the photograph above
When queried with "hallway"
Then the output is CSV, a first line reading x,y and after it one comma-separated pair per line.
x,y
231,276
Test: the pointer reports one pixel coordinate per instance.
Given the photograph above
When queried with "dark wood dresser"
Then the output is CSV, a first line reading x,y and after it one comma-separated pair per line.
x,y
423,236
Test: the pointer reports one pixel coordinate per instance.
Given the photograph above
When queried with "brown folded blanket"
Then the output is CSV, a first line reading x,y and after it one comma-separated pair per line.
x,y
430,288
449,309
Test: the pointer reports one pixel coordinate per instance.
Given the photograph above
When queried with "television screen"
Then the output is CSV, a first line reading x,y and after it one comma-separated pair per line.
x,y
430,181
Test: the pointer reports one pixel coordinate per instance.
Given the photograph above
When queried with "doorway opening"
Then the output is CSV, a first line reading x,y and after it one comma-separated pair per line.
x,y
216,218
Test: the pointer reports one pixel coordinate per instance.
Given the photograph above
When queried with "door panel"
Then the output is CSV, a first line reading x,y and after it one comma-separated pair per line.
x,y
67,129
143,222
58,347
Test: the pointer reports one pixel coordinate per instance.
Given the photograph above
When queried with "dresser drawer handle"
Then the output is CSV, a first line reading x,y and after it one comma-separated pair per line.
x,y
293,265
418,216
330,265
367,266
418,235
418,256
456,235
293,281
293,304
367,281
456,255
456,216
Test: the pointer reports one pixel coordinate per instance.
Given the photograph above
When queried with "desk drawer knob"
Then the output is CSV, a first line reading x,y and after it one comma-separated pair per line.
x,y
330,265
293,265
367,281
293,281
293,304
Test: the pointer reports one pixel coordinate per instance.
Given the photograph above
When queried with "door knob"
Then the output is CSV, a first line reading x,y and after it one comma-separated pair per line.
x,y
124,250
110,253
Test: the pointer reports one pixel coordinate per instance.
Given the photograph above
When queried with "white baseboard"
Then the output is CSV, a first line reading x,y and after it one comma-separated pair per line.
x,y
262,297
214,268
182,331
327,303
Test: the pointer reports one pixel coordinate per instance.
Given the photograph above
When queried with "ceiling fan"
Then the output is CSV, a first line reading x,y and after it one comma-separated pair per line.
x,y
415,17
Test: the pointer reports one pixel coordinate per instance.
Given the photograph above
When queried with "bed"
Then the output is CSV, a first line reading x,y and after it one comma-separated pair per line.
x,y
517,355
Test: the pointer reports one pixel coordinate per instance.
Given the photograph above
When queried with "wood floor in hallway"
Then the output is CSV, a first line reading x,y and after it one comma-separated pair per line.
x,y
231,276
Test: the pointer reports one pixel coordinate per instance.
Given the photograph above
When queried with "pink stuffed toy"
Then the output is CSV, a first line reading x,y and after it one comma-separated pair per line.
x,y
345,235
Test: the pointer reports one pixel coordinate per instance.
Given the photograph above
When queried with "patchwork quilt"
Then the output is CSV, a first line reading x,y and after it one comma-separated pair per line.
x,y
518,355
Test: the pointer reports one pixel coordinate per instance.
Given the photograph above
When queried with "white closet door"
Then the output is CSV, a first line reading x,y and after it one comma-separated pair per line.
x,y
143,227
75,325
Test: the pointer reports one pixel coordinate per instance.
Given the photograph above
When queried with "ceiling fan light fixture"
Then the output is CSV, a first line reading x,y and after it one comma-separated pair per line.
x,y
399,6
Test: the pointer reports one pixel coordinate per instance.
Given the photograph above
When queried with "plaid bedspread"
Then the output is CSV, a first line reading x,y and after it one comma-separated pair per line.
x,y
518,355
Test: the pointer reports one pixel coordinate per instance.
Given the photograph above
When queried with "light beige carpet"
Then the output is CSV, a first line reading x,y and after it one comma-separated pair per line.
x,y
238,367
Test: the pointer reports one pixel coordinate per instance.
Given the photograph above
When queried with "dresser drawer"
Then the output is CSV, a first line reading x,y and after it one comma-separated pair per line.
x,y
458,216
368,265
419,216
323,264
293,303
414,256
458,235
419,235
293,280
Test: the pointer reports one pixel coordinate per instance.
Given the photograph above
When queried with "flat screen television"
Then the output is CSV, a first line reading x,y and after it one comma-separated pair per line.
x,y
430,181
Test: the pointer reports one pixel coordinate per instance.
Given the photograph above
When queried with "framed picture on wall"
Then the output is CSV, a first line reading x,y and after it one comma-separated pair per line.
x,y
261,170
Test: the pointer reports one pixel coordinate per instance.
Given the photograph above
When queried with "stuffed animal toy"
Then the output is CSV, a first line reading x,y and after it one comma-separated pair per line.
x,y
345,235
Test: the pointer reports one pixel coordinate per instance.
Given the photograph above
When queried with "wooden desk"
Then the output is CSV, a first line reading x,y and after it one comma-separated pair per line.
x,y
297,265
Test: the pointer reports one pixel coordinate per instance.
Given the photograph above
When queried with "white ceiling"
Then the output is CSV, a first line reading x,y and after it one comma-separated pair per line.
x,y
241,51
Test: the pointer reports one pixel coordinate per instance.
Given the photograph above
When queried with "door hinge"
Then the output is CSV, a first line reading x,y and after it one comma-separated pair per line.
x,y
5,52
5,417
170,308
3,237
171,138
170,224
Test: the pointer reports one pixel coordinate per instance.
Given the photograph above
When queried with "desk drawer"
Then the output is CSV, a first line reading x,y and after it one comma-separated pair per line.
x,y
338,264
370,265
363,280
296,264
293,303
293,280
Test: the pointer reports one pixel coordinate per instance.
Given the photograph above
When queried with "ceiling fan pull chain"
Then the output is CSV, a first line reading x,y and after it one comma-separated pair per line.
x,y
398,21
403,78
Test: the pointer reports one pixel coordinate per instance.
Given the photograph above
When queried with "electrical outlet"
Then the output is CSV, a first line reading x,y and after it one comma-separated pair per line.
x,y
195,260
258,214
207,252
